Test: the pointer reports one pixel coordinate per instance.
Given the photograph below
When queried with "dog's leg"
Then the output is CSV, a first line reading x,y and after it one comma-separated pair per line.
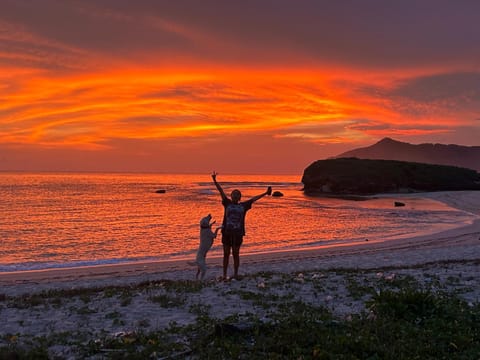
x,y
202,267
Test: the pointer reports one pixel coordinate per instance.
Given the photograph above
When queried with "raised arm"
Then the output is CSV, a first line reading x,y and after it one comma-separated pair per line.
x,y
219,188
268,192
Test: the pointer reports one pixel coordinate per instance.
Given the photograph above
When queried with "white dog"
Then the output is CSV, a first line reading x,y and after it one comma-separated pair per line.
x,y
206,241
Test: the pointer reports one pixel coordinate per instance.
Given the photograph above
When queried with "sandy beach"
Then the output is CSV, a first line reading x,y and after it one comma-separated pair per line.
x,y
93,302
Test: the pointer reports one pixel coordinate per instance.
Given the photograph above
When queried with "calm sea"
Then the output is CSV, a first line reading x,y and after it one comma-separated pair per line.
x,y
68,220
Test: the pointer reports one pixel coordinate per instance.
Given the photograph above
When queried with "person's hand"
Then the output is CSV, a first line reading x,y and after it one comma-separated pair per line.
x,y
214,176
269,190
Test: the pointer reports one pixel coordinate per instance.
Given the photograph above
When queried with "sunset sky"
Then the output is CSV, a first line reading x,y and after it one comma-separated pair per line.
x,y
264,86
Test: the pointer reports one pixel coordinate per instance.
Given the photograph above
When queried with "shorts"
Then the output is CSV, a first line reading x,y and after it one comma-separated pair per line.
x,y
232,239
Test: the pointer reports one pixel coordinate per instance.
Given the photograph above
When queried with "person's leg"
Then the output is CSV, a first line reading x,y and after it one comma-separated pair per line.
x,y
226,255
236,243
236,260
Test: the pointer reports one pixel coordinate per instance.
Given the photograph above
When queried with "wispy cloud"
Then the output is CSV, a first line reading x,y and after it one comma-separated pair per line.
x,y
22,48
106,74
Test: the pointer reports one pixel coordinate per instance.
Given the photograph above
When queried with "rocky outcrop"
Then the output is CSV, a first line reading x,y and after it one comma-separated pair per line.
x,y
441,154
365,176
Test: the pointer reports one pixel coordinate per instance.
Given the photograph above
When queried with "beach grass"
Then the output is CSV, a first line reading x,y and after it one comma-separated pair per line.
x,y
330,314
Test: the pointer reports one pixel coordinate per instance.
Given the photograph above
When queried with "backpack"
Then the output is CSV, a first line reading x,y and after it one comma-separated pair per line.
x,y
234,218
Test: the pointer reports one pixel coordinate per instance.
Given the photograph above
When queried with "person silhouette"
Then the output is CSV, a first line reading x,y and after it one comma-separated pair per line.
x,y
233,228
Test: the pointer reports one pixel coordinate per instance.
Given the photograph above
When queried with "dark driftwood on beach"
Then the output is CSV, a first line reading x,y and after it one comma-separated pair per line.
x,y
366,176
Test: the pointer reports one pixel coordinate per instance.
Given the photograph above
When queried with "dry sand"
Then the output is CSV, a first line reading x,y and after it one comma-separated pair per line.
x,y
449,261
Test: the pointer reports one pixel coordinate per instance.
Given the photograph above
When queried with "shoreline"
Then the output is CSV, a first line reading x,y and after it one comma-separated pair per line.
x,y
462,243
120,304
451,244
447,198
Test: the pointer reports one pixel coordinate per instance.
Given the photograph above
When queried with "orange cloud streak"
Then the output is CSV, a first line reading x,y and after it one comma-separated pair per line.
x,y
88,109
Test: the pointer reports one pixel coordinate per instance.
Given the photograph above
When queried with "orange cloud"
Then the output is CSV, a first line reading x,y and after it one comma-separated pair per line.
x,y
154,105
90,110
151,77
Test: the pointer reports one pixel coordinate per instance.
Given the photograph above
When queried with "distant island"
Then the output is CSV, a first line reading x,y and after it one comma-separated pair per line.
x,y
343,176
389,149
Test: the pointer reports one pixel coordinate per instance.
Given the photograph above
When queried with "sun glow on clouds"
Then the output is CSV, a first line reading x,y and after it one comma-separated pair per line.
x,y
121,78
89,109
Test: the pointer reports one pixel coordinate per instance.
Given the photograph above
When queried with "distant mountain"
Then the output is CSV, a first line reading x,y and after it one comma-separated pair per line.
x,y
389,149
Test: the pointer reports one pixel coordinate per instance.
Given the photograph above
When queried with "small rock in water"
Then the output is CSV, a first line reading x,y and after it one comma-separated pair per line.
x,y
161,191
399,203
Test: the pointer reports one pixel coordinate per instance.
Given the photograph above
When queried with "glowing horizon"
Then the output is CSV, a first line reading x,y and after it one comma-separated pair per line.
x,y
191,91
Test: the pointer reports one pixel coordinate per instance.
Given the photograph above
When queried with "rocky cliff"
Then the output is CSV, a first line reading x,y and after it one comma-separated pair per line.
x,y
366,176
389,149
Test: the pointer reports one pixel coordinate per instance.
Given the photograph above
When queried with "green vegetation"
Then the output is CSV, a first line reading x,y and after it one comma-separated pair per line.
x,y
365,176
402,318
423,327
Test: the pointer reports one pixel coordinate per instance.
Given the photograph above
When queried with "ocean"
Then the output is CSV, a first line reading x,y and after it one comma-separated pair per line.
x,y
52,220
